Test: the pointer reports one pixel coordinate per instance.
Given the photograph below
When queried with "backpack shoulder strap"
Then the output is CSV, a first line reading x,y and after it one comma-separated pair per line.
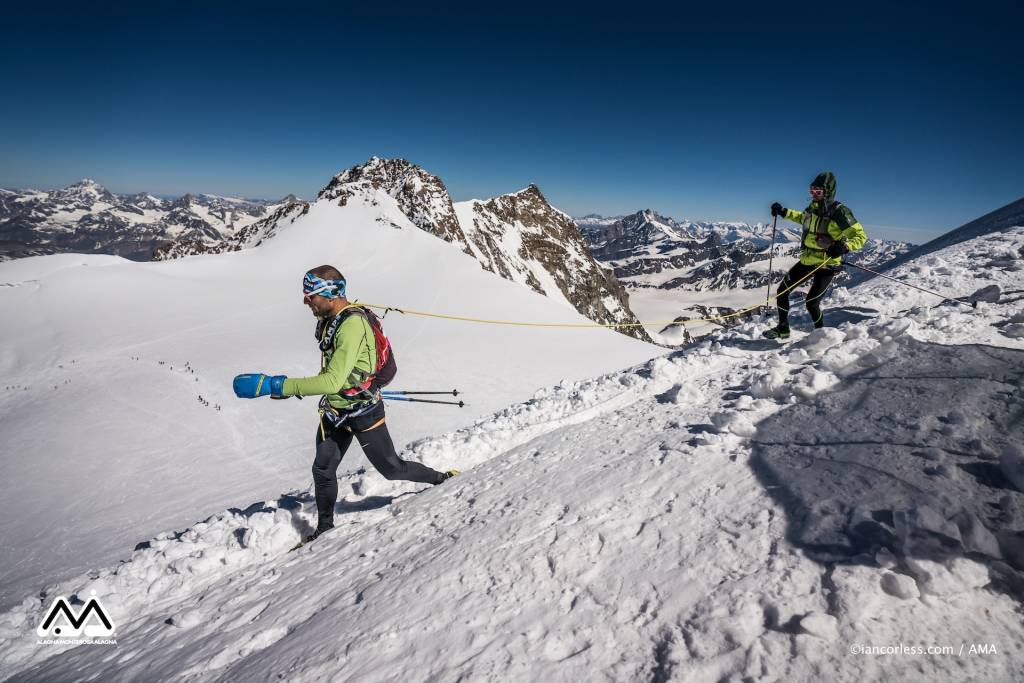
x,y
327,328
841,214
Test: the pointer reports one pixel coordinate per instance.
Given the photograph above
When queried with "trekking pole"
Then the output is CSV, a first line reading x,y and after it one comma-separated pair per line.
x,y
901,282
771,255
453,392
421,400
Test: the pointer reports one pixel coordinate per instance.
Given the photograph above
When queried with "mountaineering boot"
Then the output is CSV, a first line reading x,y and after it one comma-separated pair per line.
x,y
445,476
776,333
320,531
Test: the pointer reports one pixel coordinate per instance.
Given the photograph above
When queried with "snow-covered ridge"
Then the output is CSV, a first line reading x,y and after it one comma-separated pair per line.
x,y
1003,218
87,218
518,236
523,238
734,510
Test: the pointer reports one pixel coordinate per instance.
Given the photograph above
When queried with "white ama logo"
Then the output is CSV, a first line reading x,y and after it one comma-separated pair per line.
x,y
73,626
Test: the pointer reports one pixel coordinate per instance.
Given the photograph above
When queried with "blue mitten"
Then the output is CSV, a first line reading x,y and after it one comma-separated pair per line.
x,y
258,384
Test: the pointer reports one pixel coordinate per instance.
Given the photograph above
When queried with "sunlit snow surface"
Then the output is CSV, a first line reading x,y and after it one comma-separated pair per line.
x,y
104,440
624,527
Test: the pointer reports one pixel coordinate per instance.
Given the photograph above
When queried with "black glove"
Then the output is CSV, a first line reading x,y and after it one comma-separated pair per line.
x,y
837,249
778,209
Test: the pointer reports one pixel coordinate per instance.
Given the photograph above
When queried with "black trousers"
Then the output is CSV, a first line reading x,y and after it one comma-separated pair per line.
x,y
373,436
819,284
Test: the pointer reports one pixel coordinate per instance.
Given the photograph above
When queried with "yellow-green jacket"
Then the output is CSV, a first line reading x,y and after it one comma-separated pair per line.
x,y
825,222
345,365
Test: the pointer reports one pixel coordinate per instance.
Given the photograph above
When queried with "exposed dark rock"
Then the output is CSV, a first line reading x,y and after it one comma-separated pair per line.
x,y
550,240
422,197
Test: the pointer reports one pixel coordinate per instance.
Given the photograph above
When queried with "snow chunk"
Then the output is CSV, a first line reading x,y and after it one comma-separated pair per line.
x,y
736,423
859,594
899,586
810,382
824,626
1012,464
960,575
770,383
821,340
681,394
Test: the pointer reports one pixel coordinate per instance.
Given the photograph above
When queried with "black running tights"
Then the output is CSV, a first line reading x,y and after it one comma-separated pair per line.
x,y
819,284
379,449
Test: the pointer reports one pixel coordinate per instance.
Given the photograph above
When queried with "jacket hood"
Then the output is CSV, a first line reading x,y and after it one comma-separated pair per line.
x,y
827,180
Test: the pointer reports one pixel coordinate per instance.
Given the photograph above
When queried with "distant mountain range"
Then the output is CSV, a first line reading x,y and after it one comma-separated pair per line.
x,y
647,249
85,217
592,262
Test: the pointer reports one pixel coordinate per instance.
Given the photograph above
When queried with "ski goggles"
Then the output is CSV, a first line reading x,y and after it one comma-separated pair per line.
x,y
316,286
817,192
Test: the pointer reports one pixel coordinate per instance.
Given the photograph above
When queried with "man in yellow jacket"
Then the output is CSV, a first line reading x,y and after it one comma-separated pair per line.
x,y
829,232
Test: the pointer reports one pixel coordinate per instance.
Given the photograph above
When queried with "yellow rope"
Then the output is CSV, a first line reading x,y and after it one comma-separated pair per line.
x,y
648,323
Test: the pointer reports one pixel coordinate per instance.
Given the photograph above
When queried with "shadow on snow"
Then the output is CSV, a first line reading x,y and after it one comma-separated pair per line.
x,y
905,456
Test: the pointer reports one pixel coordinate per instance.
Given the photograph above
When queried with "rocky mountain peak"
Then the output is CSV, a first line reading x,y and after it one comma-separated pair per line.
x,y
652,216
531,190
421,196
550,256
183,202
380,174
529,207
85,191
144,200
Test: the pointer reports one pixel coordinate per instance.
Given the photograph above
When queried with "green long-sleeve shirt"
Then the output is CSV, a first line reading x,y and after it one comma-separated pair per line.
x,y
351,359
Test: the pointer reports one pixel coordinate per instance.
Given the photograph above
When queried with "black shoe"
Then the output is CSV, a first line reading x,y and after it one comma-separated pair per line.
x,y
316,534
445,476
312,537
776,333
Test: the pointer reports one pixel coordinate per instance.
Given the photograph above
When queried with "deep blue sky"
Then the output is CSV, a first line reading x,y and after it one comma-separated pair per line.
x,y
698,113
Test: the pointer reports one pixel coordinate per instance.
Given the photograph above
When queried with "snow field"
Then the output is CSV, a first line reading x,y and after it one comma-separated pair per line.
x,y
105,362
616,527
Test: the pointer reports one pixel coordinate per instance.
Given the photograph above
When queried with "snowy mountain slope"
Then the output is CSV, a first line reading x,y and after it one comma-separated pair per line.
x,y
682,269
117,375
1001,219
518,236
523,238
701,517
85,217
